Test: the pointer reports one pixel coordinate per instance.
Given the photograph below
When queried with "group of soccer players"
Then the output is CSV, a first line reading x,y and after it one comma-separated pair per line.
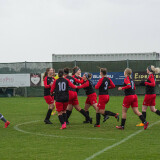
x,y
64,92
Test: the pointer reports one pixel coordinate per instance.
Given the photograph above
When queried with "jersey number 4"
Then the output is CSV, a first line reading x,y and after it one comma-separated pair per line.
x,y
62,86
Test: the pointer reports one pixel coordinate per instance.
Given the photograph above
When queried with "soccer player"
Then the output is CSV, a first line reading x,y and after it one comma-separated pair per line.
x,y
130,99
103,85
6,123
90,92
150,96
73,98
48,81
76,75
61,88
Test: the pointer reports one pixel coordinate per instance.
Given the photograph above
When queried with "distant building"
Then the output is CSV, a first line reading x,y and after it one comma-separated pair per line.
x,y
104,57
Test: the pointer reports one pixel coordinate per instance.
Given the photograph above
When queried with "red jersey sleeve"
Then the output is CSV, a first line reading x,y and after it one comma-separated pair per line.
x,y
79,81
152,81
128,83
112,85
53,87
84,85
71,84
45,83
99,83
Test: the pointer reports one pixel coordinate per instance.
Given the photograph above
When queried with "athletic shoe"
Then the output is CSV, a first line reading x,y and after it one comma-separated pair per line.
x,y
105,118
117,117
6,124
97,125
146,125
120,127
140,124
46,121
86,121
63,126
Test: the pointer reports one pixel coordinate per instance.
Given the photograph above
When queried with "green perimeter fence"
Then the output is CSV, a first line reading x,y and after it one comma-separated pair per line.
x,y
86,66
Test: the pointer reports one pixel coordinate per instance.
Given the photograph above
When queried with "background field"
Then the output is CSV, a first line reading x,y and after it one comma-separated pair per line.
x,y
40,141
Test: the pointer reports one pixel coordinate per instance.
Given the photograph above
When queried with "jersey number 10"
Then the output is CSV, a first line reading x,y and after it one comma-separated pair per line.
x,y
62,86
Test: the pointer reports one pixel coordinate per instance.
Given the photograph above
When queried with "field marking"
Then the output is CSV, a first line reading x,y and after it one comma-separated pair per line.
x,y
120,142
16,127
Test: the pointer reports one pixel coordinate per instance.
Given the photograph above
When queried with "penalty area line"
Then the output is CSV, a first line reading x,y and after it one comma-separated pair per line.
x,y
118,143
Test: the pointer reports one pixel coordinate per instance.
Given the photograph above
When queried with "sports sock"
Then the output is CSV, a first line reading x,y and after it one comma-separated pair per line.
x,y
144,114
68,113
87,112
82,111
158,112
48,114
98,117
110,113
123,121
2,118
64,117
61,119
141,117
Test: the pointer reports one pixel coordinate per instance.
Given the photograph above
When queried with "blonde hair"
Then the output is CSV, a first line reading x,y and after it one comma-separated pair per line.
x,y
155,70
128,71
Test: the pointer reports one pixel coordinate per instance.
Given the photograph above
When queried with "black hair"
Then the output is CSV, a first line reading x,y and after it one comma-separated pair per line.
x,y
60,73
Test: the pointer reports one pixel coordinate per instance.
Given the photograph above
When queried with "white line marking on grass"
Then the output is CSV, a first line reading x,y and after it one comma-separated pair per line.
x,y
120,142
16,127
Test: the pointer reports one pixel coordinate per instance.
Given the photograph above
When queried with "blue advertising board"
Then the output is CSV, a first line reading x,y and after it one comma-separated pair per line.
x,y
116,77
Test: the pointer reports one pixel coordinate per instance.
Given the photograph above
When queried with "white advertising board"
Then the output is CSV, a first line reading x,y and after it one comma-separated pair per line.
x,y
14,80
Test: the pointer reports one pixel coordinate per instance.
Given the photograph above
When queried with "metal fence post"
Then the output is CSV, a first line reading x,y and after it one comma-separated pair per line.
x,y
127,63
75,63
25,89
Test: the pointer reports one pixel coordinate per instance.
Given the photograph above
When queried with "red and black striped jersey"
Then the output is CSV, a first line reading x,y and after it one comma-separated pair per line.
x,y
88,87
61,88
150,84
73,81
77,84
47,86
103,85
129,88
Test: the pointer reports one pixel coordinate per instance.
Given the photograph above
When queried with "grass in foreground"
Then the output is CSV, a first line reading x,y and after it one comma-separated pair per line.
x,y
40,141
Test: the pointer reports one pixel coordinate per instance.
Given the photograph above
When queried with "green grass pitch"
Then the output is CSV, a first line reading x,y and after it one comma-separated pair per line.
x,y
37,141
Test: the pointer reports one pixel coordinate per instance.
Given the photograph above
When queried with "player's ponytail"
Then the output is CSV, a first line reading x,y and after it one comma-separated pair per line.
x,y
89,75
46,73
60,73
128,71
154,69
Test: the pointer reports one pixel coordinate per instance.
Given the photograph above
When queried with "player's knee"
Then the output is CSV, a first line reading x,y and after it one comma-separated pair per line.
x,y
153,109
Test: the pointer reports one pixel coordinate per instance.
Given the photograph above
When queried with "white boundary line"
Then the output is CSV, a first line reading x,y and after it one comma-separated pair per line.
x,y
120,142
16,127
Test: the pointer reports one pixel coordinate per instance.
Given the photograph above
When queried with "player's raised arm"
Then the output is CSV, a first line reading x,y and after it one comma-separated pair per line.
x,y
79,81
84,85
71,84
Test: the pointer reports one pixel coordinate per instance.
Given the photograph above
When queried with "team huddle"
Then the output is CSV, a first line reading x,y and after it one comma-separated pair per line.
x,y
64,91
